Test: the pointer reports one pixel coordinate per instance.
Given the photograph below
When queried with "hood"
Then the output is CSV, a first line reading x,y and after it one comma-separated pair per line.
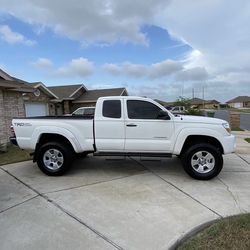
x,y
198,119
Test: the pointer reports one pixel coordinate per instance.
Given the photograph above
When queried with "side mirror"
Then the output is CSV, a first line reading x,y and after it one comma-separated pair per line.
x,y
163,115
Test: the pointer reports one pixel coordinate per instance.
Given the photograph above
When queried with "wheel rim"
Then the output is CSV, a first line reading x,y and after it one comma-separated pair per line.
x,y
53,159
203,162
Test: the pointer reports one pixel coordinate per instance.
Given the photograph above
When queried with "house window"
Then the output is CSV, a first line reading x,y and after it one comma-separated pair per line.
x,y
142,110
111,109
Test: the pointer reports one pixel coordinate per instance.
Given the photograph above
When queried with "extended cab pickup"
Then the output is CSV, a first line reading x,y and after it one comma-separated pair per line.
x,y
127,126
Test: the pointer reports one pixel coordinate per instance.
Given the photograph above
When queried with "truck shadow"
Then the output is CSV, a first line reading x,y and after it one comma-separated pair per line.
x,y
126,165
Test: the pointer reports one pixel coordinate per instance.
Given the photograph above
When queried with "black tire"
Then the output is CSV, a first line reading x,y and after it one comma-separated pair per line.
x,y
62,162
197,167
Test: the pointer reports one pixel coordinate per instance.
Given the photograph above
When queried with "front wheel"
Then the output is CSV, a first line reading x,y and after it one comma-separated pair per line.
x,y
54,158
202,161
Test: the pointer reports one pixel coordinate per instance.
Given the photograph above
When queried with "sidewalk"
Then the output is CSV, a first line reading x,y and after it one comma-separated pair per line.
x,y
242,146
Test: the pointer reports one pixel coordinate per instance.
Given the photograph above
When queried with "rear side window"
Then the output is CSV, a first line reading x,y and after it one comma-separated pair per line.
x,y
111,109
142,110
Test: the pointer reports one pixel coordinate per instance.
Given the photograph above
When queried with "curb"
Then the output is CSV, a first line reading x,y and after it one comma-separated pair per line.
x,y
191,233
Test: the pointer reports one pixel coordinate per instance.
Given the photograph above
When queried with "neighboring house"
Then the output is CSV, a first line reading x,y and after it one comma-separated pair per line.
x,y
239,102
165,104
89,98
206,104
11,102
40,102
65,95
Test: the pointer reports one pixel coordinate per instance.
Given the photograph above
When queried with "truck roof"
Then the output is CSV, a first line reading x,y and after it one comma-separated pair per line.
x,y
126,98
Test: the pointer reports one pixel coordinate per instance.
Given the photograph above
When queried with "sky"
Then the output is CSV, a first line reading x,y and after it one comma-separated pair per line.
x,y
161,49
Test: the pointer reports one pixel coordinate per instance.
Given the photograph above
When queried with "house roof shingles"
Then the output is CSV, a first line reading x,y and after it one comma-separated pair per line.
x,y
239,99
93,95
198,101
15,86
64,92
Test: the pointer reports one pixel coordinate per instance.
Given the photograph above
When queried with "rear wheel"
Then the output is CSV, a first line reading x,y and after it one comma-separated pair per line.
x,y
202,161
54,158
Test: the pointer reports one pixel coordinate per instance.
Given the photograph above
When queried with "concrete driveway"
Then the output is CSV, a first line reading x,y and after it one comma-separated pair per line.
x,y
115,203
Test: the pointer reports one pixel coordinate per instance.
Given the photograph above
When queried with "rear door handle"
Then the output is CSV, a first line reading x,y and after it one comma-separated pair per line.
x,y
131,125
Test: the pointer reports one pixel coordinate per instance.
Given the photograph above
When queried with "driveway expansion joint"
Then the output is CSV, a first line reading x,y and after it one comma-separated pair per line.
x,y
95,183
179,189
20,203
64,211
242,158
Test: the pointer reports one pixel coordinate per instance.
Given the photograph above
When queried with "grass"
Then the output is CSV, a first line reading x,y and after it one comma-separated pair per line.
x,y
14,154
247,139
237,129
226,234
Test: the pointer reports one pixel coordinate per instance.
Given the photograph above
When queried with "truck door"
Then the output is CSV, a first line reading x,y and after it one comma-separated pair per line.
x,y
109,126
144,131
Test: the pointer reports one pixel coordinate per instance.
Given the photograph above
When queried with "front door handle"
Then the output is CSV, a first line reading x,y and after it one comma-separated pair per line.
x,y
131,125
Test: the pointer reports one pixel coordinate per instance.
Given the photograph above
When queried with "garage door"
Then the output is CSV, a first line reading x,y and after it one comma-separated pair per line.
x,y
36,109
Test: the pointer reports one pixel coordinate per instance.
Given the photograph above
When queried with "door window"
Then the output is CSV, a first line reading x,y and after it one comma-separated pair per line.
x,y
111,108
142,110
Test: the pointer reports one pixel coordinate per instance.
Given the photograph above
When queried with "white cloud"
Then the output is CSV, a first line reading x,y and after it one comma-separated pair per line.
x,y
43,63
193,74
98,21
78,67
12,37
153,71
81,67
164,68
112,68
218,30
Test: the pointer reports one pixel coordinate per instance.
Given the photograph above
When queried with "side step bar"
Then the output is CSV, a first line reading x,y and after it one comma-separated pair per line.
x,y
133,154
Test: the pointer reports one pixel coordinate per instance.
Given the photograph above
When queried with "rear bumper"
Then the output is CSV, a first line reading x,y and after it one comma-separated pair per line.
x,y
229,144
13,140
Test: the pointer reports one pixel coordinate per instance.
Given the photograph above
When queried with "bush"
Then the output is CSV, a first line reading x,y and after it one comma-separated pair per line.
x,y
196,112
210,114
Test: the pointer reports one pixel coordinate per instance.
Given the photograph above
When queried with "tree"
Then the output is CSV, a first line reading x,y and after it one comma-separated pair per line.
x,y
182,101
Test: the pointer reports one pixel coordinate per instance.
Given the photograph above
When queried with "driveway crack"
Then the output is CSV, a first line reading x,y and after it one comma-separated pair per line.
x,y
179,189
232,195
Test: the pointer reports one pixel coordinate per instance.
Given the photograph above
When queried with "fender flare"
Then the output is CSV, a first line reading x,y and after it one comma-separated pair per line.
x,y
186,132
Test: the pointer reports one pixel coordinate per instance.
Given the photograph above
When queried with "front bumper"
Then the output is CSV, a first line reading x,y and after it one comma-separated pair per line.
x,y
229,144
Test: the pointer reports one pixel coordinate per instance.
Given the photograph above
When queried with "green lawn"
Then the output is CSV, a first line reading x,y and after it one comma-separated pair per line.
x,y
14,154
227,234
237,129
247,139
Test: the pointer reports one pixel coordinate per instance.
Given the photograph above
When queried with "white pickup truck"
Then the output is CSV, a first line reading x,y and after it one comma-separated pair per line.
x,y
126,126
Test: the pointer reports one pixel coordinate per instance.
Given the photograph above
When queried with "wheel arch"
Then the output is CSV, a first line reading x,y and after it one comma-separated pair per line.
x,y
196,139
51,137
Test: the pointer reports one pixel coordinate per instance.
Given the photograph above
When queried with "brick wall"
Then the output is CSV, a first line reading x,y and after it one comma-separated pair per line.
x,y
2,120
11,105
234,120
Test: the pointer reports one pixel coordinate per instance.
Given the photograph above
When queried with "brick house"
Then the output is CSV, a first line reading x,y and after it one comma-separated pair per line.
x,y
68,98
207,104
239,102
40,102
89,98
65,95
11,102
19,98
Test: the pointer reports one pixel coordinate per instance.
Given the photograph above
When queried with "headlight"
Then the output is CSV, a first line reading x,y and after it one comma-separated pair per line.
x,y
227,127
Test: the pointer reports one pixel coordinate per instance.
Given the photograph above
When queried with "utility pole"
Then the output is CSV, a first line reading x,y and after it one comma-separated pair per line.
x,y
192,93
